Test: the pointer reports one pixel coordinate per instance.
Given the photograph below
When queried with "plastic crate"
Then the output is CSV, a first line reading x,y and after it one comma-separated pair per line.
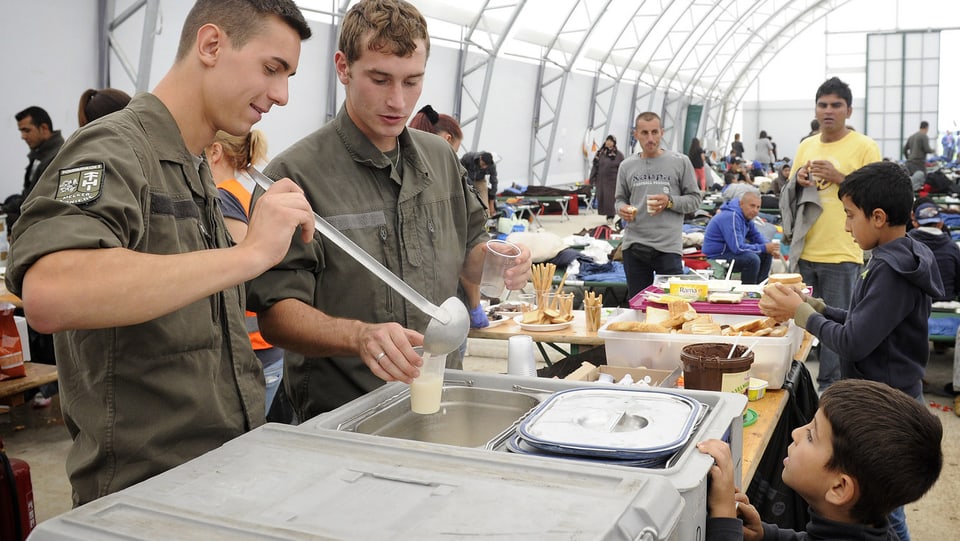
x,y
660,351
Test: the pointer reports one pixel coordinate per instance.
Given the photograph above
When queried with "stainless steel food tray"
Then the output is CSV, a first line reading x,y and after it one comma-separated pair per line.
x,y
618,423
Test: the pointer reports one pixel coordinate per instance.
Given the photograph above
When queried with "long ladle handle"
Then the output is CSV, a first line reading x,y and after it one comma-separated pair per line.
x,y
334,235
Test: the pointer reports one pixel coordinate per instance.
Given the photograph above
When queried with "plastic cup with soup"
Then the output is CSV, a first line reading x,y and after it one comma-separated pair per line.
x,y
427,389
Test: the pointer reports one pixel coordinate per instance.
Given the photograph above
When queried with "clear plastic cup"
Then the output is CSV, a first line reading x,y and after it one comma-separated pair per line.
x,y
520,359
528,301
499,256
427,389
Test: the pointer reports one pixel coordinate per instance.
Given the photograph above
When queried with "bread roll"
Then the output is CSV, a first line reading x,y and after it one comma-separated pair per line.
x,y
637,326
792,279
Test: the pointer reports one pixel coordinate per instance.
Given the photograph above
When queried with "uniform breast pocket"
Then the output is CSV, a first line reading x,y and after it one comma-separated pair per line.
x,y
174,226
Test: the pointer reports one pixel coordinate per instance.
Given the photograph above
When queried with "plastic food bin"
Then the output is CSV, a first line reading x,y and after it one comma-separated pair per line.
x,y
661,351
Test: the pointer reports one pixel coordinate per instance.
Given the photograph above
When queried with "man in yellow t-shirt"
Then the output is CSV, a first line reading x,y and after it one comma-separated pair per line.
x,y
820,248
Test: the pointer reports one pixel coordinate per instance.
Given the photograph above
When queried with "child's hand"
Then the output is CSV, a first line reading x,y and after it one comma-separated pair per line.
x,y
752,527
779,302
720,501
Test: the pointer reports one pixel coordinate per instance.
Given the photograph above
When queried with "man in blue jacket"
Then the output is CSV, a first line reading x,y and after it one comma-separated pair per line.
x,y
731,235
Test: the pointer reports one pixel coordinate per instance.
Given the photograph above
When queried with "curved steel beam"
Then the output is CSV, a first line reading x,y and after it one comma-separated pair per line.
x,y
485,65
752,69
539,122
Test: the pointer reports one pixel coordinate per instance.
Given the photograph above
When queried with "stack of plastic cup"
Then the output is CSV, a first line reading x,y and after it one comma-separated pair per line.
x,y
520,359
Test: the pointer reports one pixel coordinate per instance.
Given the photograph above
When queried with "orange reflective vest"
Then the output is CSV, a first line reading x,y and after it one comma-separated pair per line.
x,y
253,326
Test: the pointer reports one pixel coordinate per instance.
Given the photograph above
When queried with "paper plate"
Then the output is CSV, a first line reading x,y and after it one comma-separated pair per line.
x,y
541,328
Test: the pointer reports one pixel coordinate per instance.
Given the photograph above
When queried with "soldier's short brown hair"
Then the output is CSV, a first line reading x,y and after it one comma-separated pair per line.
x,y
389,26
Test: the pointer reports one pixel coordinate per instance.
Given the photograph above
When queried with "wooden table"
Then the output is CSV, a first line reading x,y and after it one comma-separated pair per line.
x,y
11,390
576,335
6,296
757,436
769,409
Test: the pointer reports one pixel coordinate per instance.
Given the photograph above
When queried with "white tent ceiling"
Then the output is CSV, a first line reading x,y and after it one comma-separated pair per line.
x,y
672,54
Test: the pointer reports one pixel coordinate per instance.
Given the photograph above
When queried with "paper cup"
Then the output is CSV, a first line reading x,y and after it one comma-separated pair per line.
x,y
652,205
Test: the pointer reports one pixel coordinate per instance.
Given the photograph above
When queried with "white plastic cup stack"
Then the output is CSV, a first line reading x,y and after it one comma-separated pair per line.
x,y
520,360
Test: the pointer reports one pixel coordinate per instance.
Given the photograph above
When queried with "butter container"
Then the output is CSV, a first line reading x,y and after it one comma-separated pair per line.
x,y
690,290
756,390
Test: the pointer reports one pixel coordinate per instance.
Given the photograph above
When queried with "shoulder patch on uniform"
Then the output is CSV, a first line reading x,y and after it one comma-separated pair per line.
x,y
80,185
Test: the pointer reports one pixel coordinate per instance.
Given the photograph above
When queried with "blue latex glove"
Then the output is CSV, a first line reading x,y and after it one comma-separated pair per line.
x,y
478,318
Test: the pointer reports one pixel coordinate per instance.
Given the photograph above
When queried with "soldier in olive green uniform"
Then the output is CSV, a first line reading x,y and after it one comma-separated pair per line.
x,y
398,193
419,223
122,252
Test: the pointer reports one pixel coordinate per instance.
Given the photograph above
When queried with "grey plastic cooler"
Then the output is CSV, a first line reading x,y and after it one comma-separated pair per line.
x,y
279,482
687,473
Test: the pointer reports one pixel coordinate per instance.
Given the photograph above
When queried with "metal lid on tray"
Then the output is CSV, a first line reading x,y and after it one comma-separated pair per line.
x,y
618,423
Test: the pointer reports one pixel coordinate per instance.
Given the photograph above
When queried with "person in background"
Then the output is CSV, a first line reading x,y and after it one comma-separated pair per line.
x,y
155,365
655,189
731,235
783,177
36,130
915,151
928,229
949,146
736,147
697,158
229,157
868,450
814,129
812,215
603,175
447,127
97,103
399,194
482,172
738,169
883,335
764,151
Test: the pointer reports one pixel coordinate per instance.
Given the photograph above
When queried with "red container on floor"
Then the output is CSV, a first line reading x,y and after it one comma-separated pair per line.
x,y
17,516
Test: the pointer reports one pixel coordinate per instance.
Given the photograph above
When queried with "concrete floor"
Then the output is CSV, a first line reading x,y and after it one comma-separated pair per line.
x,y
39,436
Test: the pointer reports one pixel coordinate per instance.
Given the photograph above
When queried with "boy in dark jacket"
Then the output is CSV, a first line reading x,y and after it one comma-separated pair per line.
x,y
883,336
869,449
928,229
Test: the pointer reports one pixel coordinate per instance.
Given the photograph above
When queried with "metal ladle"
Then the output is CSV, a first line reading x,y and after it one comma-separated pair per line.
x,y
449,322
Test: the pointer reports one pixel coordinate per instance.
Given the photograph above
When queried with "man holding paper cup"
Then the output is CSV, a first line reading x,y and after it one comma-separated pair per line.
x,y
661,183
399,194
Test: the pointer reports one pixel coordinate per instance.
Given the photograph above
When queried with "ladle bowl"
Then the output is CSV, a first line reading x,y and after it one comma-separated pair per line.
x,y
441,338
